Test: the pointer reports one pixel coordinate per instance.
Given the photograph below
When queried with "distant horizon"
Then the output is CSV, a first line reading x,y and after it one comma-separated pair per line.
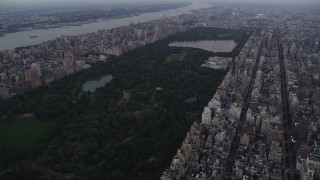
x,y
44,5
121,2
18,5
73,3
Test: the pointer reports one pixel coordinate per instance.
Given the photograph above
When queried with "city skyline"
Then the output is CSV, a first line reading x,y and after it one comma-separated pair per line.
x,y
189,91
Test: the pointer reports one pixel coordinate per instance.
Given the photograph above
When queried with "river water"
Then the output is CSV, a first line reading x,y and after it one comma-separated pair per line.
x,y
19,39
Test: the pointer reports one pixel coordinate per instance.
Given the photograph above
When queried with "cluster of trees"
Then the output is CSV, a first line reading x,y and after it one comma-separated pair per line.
x,y
98,137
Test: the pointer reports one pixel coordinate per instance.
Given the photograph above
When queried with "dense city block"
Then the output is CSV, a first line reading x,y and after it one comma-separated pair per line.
x,y
260,121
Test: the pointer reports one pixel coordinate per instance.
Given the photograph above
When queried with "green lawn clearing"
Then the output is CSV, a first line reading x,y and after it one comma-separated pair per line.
x,y
177,57
23,133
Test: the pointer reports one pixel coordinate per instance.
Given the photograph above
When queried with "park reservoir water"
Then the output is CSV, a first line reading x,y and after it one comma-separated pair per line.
x,y
209,45
91,86
20,39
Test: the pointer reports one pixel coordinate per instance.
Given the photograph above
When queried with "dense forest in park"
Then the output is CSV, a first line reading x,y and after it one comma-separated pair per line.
x,y
101,135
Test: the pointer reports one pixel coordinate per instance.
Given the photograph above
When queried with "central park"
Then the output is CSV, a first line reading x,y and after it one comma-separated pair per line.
x,y
103,134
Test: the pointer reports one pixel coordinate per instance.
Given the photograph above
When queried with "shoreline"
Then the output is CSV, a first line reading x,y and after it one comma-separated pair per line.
x,y
80,23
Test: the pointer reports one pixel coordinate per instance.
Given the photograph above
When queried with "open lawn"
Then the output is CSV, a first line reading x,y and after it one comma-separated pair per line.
x,y
23,133
177,57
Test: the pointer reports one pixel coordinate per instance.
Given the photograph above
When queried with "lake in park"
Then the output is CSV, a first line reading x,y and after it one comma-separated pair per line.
x,y
91,86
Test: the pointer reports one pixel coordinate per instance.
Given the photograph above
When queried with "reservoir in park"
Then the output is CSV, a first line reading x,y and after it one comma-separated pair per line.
x,y
209,45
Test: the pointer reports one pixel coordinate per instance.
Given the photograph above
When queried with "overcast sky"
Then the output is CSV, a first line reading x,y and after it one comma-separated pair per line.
x,y
149,1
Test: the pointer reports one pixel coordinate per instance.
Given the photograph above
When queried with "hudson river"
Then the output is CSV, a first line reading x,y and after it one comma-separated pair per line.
x,y
19,39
